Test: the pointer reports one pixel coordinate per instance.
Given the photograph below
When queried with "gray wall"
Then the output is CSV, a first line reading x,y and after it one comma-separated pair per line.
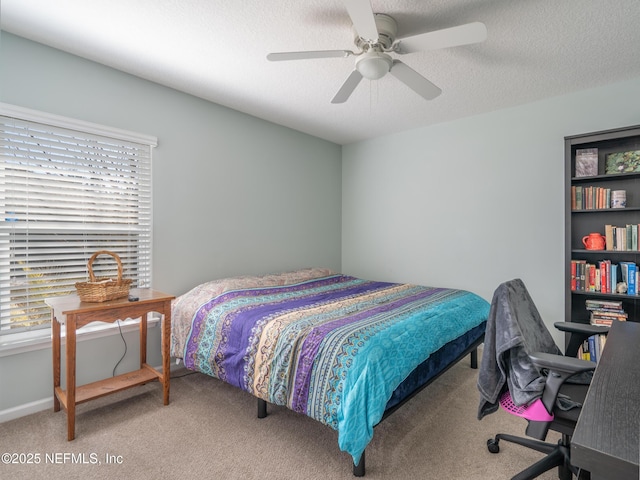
x,y
475,202
232,194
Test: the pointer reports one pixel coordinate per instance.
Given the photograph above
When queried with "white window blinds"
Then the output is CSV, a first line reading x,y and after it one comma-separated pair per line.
x,y
64,194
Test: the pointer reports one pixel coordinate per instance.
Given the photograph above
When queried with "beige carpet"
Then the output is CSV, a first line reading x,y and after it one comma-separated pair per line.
x,y
210,430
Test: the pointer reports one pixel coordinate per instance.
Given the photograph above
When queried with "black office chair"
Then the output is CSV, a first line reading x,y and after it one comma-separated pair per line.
x,y
523,371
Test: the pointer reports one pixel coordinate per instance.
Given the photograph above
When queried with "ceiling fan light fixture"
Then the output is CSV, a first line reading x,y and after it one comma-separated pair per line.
x,y
374,65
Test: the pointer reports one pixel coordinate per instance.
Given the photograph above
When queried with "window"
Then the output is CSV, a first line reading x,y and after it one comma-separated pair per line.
x,y
67,190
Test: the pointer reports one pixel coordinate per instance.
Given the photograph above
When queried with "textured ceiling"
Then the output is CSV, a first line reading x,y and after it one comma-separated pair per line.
x,y
216,50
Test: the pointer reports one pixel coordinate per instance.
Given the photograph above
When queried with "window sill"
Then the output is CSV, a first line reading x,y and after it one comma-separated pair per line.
x,y
16,343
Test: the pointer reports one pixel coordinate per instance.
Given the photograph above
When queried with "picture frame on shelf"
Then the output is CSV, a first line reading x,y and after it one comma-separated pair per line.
x,y
622,162
586,162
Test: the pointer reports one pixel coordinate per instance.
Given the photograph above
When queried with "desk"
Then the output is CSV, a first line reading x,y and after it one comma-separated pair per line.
x,y
74,314
605,441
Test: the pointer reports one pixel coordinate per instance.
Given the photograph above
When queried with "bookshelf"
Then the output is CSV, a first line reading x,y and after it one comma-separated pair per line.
x,y
597,165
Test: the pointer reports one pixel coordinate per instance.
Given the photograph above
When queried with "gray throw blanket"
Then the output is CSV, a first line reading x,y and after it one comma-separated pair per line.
x,y
514,328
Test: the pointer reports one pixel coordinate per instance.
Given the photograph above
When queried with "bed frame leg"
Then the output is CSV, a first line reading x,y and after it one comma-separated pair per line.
x,y
474,358
262,408
358,470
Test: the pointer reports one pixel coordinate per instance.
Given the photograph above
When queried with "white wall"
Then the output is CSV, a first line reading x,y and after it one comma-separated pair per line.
x,y
474,202
232,194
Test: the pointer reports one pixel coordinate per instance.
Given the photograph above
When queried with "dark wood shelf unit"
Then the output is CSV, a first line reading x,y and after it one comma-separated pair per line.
x,y
579,223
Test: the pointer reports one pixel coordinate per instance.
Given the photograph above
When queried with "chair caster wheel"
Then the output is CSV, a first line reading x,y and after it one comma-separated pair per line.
x,y
492,445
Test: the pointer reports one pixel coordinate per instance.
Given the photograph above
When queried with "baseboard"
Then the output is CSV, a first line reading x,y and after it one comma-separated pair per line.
x,y
25,409
46,403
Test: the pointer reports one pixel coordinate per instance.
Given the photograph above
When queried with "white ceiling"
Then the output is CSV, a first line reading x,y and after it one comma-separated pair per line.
x,y
216,50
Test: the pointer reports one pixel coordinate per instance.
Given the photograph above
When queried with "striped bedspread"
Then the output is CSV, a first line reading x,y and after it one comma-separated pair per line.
x,y
332,347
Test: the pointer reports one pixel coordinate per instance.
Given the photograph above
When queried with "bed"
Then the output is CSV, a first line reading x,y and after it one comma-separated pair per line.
x,y
343,350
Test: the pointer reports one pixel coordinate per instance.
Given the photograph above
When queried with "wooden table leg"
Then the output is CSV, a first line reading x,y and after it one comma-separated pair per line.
x,y
71,377
166,338
143,339
55,347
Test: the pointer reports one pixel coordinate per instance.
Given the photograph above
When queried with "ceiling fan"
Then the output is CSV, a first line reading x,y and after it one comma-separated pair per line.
x,y
375,38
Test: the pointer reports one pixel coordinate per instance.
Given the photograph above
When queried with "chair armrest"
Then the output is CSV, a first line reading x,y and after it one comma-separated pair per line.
x,y
561,364
578,333
583,328
560,368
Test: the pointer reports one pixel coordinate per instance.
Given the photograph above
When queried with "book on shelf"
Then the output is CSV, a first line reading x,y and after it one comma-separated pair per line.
x,y
606,319
591,349
586,162
593,355
590,198
604,276
605,312
608,237
602,303
629,276
611,276
581,277
578,268
602,316
622,238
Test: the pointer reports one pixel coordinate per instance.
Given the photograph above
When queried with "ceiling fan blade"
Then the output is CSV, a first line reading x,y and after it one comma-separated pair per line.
x,y
347,87
276,57
414,80
362,18
475,32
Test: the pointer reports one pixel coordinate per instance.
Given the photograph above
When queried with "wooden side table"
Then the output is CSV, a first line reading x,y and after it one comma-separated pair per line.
x,y
74,314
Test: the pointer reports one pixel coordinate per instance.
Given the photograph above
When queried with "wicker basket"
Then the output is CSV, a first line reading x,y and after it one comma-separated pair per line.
x,y
104,288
